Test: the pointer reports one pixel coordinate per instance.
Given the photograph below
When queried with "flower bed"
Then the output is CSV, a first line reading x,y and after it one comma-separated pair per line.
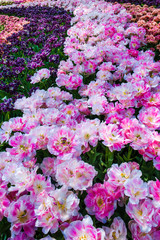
x,y
148,18
83,160
10,25
38,45
155,3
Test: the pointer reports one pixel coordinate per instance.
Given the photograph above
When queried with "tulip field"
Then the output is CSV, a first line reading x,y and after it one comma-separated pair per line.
x,y
79,120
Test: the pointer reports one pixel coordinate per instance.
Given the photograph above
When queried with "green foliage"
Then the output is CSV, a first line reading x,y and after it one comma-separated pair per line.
x,y
2,27
4,229
2,3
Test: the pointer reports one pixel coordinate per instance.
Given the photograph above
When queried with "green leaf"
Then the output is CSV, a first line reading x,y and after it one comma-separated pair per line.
x,y
109,157
4,94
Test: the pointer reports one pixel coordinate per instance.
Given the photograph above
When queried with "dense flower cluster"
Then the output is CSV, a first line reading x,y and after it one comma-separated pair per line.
x,y
14,2
139,2
37,43
11,25
148,18
108,97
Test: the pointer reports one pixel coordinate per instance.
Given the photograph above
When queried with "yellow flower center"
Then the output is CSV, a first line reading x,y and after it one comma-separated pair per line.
x,y
100,202
61,206
150,118
69,112
123,175
84,237
114,235
48,217
138,136
39,187
140,212
22,216
137,193
87,136
23,147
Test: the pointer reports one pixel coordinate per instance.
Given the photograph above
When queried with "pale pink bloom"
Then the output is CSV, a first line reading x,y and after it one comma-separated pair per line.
x,y
154,190
47,166
111,136
77,57
139,135
39,75
152,81
140,88
97,87
44,73
5,132
89,66
127,123
118,175
114,118
17,124
156,163
65,66
88,132
101,201
64,225
71,81
78,69
43,203
19,177
134,43
4,201
35,78
131,30
150,117
29,162
83,230
156,218
52,103
47,222
128,113
125,66
82,106
117,230
5,157
104,75
151,99
23,145
75,174
57,94
21,236
65,204
117,37
123,92
135,189
137,234
40,184
48,238
67,121
31,119
107,66
63,141
70,110
74,81
66,96
142,213
21,215
41,135
49,116
32,103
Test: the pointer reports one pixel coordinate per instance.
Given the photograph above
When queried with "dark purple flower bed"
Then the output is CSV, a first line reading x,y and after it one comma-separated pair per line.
x,y
38,45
